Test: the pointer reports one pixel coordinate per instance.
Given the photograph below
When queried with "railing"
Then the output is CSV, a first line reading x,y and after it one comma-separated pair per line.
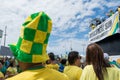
x,y
107,28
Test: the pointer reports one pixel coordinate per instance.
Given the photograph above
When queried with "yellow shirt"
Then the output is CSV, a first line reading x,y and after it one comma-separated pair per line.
x,y
89,74
13,70
1,75
73,72
93,26
53,66
40,74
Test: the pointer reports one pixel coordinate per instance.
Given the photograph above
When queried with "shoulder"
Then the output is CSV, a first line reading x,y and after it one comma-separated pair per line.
x,y
113,69
88,67
47,74
56,75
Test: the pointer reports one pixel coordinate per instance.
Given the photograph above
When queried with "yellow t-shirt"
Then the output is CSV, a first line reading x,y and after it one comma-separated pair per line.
x,y
89,74
13,70
53,66
40,74
73,72
1,75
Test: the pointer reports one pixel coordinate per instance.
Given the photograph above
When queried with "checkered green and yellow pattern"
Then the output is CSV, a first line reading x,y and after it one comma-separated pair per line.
x,y
33,40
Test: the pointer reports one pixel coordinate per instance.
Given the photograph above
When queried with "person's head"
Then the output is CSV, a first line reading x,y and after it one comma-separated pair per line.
x,y
63,61
33,40
74,58
51,56
94,56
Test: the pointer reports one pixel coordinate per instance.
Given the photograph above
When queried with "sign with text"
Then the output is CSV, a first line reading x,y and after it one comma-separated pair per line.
x,y
105,29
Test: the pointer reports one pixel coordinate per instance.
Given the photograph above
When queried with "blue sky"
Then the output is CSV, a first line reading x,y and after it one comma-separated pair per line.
x,y
70,20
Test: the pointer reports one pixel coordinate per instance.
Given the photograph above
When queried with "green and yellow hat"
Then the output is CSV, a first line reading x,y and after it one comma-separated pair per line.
x,y
33,39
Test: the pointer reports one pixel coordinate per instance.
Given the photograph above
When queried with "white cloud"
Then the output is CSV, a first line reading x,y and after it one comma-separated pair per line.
x,y
62,12
66,45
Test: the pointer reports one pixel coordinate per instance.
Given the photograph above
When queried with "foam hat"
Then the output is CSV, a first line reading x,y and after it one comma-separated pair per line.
x,y
33,39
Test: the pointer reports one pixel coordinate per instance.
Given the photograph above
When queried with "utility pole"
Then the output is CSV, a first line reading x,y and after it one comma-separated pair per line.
x,y
5,35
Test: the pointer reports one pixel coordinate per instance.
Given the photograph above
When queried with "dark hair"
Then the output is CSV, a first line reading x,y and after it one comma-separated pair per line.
x,y
63,61
94,56
72,56
51,56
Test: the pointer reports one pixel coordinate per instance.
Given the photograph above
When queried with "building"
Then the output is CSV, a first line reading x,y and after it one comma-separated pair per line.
x,y
5,51
107,35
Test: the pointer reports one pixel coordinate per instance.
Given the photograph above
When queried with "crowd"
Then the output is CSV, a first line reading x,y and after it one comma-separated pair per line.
x,y
96,67
97,21
33,63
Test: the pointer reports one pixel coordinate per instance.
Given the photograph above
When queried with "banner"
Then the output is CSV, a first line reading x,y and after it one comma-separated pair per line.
x,y
107,28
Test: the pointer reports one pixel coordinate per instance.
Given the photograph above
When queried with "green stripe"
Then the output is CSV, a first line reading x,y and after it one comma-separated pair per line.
x,y
37,48
29,34
36,67
25,23
117,26
47,38
19,43
34,15
24,57
43,22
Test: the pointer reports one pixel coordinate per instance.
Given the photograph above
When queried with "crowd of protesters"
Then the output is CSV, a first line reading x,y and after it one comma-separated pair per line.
x,y
71,66
31,61
97,21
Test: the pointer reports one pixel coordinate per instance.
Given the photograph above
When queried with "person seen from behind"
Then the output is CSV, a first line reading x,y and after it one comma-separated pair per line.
x,y
97,68
52,63
2,77
11,70
110,13
62,65
30,50
73,70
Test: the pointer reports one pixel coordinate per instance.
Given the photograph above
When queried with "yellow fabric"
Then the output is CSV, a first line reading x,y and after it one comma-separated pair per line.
x,y
29,19
73,72
89,74
36,58
22,32
38,37
24,44
12,70
93,26
1,75
49,26
40,74
53,66
118,60
34,23
34,37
